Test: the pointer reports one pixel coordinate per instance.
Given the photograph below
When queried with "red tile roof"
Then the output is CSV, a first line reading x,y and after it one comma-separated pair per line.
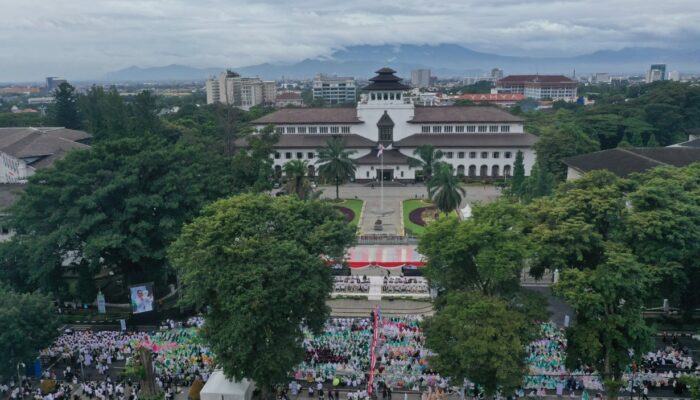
x,y
462,114
491,97
514,79
292,116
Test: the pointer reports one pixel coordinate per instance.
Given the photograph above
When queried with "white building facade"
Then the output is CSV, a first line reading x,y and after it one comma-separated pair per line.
x,y
479,142
334,89
230,88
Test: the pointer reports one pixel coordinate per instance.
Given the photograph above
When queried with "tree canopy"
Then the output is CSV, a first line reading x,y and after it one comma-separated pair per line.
x,y
610,331
484,253
117,205
476,337
256,262
29,325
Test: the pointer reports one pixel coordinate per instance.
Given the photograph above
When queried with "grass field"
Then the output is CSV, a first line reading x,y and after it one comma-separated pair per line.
x,y
355,205
408,206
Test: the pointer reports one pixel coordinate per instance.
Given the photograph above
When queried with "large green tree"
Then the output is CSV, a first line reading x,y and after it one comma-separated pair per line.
x,y
64,111
446,190
571,228
484,253
558,142
117,205
335,164
104,112
476,337
609,332
29,325
256,263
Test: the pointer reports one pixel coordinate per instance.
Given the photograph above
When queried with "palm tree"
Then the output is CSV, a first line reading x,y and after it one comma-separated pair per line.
x,y
427,160
446,188
335,164
296,171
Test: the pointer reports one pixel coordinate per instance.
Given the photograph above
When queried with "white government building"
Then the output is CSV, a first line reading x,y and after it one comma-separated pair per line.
x,y
479,142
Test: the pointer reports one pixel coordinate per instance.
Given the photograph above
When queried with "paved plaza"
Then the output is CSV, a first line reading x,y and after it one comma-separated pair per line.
x,y
393,196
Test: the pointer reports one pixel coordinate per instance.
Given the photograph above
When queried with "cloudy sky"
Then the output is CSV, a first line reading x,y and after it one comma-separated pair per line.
x,y
86,38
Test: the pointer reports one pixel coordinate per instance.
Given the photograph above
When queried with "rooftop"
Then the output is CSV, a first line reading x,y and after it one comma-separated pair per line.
x,y
468,140
41,146
291,116
536,79
390,157
623,162
491,97
462,114
386,80
315,141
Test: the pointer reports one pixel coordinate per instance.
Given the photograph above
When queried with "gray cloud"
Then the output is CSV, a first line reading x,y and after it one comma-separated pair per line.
x,y
85,38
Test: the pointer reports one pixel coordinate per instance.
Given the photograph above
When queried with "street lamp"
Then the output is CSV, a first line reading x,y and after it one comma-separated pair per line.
x,y
19,378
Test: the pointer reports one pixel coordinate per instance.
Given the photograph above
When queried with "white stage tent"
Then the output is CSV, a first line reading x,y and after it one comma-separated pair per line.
x,y
220,388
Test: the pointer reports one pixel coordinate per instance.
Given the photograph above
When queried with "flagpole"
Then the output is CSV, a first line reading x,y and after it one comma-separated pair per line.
x,y
382,184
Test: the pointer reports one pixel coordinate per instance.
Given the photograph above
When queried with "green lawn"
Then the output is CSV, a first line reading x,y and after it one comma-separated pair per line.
x,y
408,206
355,205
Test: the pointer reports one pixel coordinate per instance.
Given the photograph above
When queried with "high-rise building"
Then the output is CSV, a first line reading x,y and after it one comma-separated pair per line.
x,y
420,78
674,76
496,74
601,77
657,72
231,88
334,89
53,82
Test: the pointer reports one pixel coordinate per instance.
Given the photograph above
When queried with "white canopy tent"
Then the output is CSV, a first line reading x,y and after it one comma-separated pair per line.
x,y
220,388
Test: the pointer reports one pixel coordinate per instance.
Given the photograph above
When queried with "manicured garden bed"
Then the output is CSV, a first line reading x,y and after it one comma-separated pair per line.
x,y
414,212
351,208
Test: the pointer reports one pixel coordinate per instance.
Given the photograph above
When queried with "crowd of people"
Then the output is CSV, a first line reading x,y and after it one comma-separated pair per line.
x,y
340,356
398,284
341,352
355,283
403,359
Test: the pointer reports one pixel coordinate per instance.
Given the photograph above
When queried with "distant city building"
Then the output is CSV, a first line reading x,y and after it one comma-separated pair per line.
x,y
657,72
334,89
674,76
287,99
19,90
496,74
420,78
601,77
231,88
17,110
53,82
555,87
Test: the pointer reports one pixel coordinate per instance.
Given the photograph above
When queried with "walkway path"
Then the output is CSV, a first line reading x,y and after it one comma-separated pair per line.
x,y
393,196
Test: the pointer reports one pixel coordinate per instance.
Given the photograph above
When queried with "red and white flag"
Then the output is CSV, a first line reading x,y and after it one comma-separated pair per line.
x,y
381,150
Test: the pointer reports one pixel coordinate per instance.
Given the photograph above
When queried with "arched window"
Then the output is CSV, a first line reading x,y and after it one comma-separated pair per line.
x,y
460,170
472,171
506,170
495,171
484,171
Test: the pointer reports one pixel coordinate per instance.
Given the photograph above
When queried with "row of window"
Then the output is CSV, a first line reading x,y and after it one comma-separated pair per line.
x,y
472,154
465,128
313,129
300,155
448,155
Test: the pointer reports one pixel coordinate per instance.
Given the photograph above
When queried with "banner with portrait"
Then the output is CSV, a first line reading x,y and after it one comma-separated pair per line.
x,y
142,299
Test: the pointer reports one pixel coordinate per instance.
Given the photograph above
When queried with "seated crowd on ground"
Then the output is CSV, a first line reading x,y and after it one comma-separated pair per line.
x,y
339,356
398,284
355,284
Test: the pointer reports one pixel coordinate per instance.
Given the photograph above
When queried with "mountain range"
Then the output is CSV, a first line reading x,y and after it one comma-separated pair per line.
x,y
445,60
